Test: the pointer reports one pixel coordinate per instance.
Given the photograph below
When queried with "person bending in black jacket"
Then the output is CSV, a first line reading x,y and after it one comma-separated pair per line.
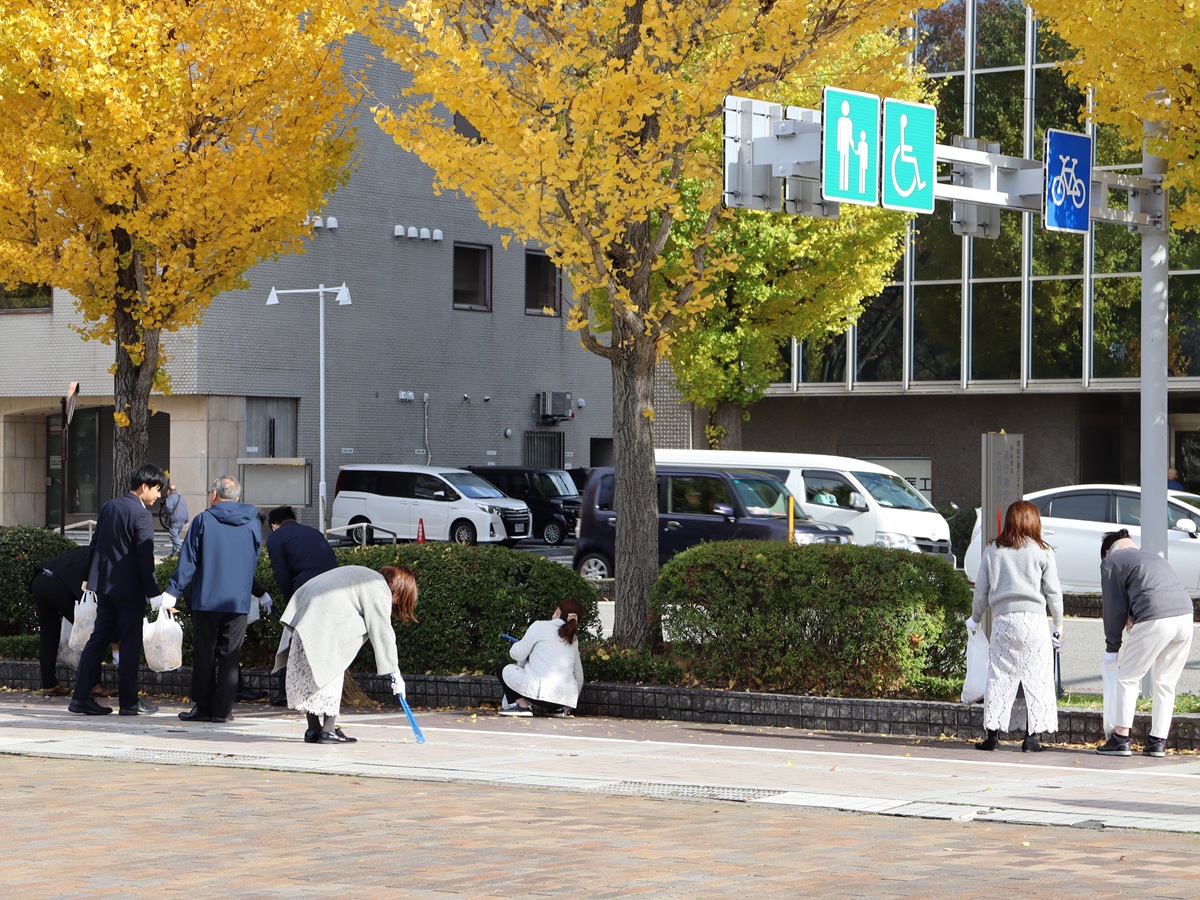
x,y
56,587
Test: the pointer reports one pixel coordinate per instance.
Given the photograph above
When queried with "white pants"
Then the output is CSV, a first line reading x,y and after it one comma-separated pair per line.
x,y
1161,644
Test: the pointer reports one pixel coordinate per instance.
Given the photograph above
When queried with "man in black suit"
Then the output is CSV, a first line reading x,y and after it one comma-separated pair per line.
x,y
121,572
298,553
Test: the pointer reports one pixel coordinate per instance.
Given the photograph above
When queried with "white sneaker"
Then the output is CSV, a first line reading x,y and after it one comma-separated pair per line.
x,y
514,709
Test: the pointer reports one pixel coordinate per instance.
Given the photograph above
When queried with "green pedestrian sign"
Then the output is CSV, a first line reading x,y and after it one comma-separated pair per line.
x,y
850,147
909,132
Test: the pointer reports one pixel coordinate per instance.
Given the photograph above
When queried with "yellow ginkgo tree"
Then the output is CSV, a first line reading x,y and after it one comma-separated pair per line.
x,y
573,125
151,151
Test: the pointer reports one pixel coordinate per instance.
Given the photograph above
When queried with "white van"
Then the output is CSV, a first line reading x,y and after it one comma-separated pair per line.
x,y
447,504
878,505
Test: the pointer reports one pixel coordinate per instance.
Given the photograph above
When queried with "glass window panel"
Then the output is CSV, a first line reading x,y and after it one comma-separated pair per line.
x,y
1056,252
24,297
999,33
1116,327
999,257
1183,325
472,276
936,249
542,285
1000,110
1056,104
996,331
1116,249
825,359
941,37
1057,329
880,332
1050,47
951,93
937,332
785,356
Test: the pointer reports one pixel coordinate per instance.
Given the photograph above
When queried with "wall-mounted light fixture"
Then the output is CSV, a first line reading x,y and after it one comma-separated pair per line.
x,y
317,222
437,234
413,231
331,223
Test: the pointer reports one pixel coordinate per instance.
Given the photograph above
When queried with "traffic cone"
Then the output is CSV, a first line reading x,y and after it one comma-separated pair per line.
x,y
420,531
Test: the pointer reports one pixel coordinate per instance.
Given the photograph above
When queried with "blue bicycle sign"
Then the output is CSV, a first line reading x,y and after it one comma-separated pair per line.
x,y
1068,181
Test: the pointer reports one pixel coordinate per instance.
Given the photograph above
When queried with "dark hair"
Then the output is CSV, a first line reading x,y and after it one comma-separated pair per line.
x,y
1022,523
572,612
1109,539
281,514
149,474
404,591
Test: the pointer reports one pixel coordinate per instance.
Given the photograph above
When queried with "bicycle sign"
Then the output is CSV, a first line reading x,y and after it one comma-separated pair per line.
x,y
1068,181
909,133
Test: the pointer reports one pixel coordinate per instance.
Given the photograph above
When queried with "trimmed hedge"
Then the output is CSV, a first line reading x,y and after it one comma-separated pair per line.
x,y
22,548
819,619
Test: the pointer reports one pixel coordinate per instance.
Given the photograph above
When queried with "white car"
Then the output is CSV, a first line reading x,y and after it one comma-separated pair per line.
x,y
1075,518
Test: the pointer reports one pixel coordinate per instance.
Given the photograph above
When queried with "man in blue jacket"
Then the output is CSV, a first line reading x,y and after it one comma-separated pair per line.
x,y
218,559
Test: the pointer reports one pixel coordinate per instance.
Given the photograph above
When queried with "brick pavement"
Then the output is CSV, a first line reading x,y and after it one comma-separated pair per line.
x,y
96,828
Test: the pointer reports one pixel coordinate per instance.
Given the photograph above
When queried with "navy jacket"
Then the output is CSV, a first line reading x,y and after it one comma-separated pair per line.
x,y
298,553
122,560
218,558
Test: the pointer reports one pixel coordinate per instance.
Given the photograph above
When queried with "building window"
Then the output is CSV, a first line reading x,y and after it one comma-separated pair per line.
x,y
24,297
472,276
543,285
464,127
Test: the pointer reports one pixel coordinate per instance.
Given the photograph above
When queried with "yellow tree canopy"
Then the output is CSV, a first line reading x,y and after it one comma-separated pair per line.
x,y
151,152
1142,58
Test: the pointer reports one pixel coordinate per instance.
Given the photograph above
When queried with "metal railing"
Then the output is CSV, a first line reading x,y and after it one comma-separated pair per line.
x,y
90,524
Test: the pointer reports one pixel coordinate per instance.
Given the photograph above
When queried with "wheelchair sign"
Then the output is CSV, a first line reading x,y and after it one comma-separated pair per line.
x,y
1068,181
907,163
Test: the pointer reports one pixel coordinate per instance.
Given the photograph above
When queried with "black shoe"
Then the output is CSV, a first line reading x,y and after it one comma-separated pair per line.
x,y
279,700
218,720
991,742
312,736
1031,745
249,696
88,707
194,715
336,737
1155,747
141,709
1116,745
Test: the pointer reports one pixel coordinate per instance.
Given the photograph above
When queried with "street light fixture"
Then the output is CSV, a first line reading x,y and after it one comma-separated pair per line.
x,y
342,294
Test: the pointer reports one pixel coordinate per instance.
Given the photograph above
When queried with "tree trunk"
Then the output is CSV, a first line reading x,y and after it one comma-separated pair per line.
x,y
727,418
131,390
636,491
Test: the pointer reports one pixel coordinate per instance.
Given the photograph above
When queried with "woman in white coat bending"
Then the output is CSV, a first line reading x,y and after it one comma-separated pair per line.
x,y
325,625
547,675
1018,579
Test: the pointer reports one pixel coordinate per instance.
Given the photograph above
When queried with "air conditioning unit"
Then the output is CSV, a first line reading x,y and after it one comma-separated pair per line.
x,y
554,406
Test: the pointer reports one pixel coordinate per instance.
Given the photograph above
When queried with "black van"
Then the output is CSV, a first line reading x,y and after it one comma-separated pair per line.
x,y
550,494
696,504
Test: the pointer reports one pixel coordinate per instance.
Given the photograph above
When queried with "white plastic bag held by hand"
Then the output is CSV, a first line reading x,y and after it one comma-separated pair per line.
x,y
1108,670
85,620
162,640
977,667
67,655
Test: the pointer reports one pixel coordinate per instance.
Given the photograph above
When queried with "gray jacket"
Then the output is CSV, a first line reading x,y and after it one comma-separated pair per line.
x,y
1138,586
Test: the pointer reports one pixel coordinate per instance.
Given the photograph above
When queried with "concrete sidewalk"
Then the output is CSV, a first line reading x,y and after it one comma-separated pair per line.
x,y
894,776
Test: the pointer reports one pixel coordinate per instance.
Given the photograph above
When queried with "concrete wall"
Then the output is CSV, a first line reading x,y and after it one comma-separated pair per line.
x,y
23,468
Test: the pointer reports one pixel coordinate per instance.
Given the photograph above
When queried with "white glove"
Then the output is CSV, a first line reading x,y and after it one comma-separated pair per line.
x,y
163,600
264,603
1110,659
972,625
398,685
1056,639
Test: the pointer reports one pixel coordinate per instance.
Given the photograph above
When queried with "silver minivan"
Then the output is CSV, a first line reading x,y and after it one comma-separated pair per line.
x,y
443,503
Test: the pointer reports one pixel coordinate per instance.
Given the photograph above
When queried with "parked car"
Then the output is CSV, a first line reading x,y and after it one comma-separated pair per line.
x,y
447,504
1076,517
550,494
876,503
696,504
580,476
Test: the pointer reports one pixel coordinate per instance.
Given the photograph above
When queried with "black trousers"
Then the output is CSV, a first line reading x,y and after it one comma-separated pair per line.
x,y
121,616
216,649
54,603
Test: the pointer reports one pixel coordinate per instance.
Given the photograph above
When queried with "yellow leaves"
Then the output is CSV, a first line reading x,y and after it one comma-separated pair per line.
x,y
121,418
648,413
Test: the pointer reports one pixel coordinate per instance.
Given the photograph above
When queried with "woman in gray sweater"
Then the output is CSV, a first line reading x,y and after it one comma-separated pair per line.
x,y
1018,580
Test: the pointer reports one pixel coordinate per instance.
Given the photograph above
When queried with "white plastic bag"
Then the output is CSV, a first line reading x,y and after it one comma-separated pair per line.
x,y
85,620
162,640
1109,672
67,655
977,667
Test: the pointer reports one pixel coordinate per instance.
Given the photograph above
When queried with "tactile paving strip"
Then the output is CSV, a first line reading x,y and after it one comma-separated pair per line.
x,y
684,791
182,756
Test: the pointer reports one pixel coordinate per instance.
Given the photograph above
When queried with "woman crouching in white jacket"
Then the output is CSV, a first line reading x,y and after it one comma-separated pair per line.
x,y
547,675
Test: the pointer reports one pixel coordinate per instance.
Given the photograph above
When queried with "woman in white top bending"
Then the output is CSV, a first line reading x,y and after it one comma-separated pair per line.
x,y
548,674
1018,580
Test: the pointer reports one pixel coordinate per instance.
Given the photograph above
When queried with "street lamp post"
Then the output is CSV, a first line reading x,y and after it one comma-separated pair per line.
x,y
343,298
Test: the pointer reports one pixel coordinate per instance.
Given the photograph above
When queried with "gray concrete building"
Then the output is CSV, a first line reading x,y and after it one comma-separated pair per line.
x,y
443,356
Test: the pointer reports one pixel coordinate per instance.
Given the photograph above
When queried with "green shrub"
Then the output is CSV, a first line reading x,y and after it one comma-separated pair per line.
x,y
821,619
467,597
607,661
22,548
